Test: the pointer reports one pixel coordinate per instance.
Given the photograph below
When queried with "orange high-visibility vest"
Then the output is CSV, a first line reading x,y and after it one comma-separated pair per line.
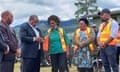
x,y
77,39
105,32
46,42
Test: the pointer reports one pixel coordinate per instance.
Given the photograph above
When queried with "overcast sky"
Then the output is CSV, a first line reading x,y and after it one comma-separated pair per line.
x,y
43,8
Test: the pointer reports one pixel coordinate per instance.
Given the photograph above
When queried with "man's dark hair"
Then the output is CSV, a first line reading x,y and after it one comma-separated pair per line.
x,y
32,17
85,20
105,10
5,13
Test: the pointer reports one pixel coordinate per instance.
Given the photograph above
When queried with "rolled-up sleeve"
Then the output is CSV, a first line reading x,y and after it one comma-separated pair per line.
x,y
98,35
114,29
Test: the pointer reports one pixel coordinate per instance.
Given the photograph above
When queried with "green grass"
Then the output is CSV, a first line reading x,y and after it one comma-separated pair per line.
x,y
17,67
43,69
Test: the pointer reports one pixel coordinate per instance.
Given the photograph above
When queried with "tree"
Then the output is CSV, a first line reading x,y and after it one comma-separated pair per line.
x,y
85,8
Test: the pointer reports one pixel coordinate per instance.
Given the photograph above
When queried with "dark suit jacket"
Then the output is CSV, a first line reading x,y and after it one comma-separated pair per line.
x,y
10,39
29,47
3,47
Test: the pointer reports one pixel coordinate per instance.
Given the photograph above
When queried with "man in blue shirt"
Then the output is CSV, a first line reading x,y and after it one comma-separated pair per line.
x,y
105,38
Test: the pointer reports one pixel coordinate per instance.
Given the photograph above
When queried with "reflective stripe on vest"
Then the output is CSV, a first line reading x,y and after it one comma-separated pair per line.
x,y
64,47
46,41
77,32
105,33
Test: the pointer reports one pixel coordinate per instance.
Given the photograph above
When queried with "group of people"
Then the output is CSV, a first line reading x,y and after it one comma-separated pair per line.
x,y
56,43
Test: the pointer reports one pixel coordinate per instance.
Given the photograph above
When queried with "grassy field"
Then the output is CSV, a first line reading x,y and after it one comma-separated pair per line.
x,y
43,69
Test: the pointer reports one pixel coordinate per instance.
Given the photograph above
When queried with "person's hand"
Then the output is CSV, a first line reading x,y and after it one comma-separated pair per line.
x,y
18,52
101,45
41,39
67,54
80,45
7,51
104,44
38,39
75,53
47,56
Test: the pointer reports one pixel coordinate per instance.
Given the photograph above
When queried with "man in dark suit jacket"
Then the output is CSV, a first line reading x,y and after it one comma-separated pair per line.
x,y
31,41
9,37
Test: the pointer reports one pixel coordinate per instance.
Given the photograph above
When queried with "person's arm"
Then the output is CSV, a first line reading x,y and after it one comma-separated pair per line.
x,y
118,37
75,39
3,45
67,41
114,30
4,40
16,50
98,38
24,36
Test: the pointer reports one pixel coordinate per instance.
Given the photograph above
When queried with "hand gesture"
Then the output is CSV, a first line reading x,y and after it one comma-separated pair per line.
x,y
18,52
80,45
38,39
7,51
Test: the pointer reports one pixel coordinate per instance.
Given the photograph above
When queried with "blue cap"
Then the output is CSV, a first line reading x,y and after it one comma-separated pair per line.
x,y
104,11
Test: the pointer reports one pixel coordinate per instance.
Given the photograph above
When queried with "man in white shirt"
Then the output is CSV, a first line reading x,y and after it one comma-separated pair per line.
x,y
31,41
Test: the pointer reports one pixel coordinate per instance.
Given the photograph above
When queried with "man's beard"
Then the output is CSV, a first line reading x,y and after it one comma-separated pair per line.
x,y
104,20
8,21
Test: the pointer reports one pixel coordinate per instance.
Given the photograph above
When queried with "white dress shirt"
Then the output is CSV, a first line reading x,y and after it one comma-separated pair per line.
x,y
36,33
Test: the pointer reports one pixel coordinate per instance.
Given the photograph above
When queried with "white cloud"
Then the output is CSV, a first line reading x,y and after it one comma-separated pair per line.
x,y
21,9
43,8
108,3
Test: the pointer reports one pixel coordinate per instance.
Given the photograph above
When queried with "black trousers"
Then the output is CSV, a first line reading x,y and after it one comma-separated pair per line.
x,y
85,69
7,66
58,62
31,64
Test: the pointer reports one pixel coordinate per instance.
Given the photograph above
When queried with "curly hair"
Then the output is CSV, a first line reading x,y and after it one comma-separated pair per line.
x,y
54,18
